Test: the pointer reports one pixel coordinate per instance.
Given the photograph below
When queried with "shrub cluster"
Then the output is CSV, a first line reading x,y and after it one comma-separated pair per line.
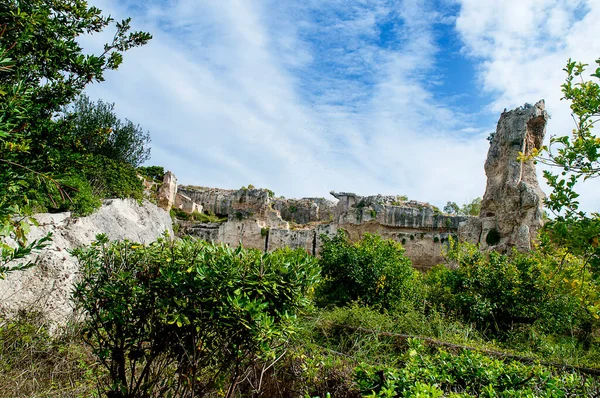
x,y
500,292
187,316
373,271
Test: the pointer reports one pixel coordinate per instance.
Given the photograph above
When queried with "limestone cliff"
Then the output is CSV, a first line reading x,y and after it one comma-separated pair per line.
x,y
511,210
47,286
258,220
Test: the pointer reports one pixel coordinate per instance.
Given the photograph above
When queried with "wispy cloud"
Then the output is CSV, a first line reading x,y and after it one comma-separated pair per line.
x,y
523,47
306,97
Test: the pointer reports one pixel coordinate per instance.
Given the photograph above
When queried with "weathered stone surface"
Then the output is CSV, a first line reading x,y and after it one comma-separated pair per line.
x,y
47,286
227,201
294,238
305,210
256,220
511,207
511,210
167,191
388,211
186,204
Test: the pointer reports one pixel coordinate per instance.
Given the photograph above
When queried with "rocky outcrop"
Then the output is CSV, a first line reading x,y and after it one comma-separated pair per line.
x,y
256,219
47,286
167,191
186,204
511,210
223,202
306,210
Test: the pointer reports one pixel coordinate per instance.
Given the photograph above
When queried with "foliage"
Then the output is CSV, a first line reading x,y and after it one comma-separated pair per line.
x,y
373,271
96,128
468,209
14,199
451,208
154,173
48,70
10,254
578,156
423,373
187,315
499,292
113,179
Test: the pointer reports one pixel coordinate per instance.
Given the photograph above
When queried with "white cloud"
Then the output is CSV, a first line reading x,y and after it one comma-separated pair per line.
x,y
523,47
233,92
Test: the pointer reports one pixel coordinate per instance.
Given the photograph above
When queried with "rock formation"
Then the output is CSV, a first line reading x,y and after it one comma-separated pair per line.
x,y
48,285
167,191
257,219
511,210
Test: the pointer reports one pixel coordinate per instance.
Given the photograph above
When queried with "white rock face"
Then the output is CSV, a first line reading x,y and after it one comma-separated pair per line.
x,y
47,286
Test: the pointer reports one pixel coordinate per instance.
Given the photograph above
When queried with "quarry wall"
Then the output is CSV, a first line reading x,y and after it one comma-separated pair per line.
x,y
511,211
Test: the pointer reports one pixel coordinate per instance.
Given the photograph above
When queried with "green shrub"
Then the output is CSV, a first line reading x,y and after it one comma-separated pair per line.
x,y
373,271
498,292
154,173
113,179
428,373
187,314
95,127
84,202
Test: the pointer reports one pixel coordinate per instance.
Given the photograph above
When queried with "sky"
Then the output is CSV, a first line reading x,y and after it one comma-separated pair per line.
x,y
306,97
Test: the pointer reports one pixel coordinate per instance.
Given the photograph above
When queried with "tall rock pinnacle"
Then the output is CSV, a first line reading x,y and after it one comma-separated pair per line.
x,y
511,210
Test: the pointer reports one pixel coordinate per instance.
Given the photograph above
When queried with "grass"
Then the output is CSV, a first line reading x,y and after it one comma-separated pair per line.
x,y
35,363
322,358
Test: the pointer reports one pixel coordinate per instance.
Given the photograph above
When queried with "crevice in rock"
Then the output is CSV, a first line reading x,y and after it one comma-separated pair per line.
x,y
267,239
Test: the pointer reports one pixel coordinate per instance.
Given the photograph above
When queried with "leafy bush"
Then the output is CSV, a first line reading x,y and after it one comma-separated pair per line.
x,y
96,128
187,314
498,292
373,271
113,179
423,373
154,173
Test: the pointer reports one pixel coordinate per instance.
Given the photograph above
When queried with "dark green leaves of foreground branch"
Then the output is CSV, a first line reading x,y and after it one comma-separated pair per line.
x,y
43,68
187,316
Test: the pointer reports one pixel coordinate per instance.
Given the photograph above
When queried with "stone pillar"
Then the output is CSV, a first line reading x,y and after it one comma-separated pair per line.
x,y
167,191
512,207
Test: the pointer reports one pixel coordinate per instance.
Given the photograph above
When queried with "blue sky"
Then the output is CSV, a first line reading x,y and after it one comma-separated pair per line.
x,y
305,97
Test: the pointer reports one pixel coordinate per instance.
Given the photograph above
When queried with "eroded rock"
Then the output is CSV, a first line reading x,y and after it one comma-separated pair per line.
x,y
47,286
511,210
167,191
